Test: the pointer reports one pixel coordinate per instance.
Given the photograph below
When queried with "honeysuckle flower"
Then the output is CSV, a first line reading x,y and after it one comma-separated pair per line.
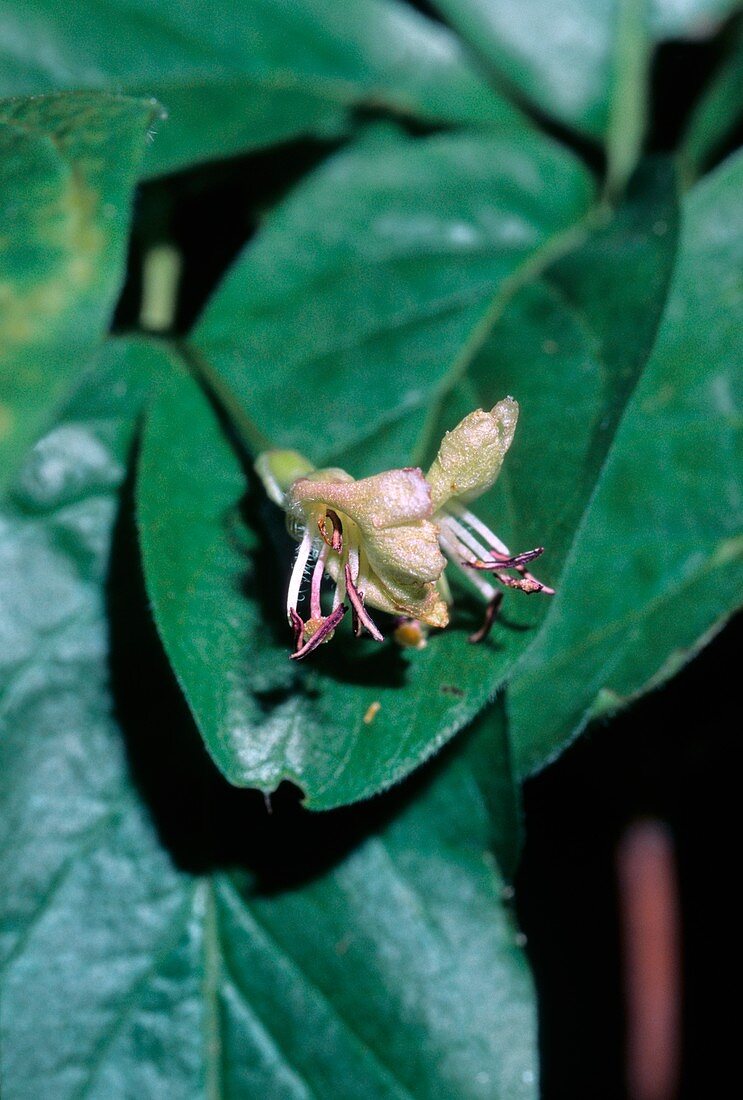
x,y
467,464
380,539
374,537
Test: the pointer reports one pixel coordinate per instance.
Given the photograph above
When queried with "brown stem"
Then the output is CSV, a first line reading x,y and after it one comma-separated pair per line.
x,y
491,614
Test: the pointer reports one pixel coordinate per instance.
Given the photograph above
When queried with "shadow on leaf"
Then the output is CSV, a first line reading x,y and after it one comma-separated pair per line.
x,y
203,821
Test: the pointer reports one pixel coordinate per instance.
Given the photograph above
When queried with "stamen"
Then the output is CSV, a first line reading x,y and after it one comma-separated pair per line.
x,y
353,562
477,525
502,561
335,542
317,575
454,551
466,538
321,634
361,617
300,563
544,588
491,614
488,560
526,583
351,554
297,627
340,591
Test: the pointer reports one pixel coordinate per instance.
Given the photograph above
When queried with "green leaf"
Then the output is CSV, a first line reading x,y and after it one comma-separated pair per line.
x,y
243,76
378,279
361,320
572,348
68,164
217,581
657,562
718,111
579,61
162,933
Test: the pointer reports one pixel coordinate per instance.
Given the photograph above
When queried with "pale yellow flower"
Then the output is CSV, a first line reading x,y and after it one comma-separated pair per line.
x,y
374,538
380,539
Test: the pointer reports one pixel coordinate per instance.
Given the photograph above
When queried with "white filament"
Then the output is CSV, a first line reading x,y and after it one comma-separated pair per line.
x,y
455,551
477,525
466,539
300,564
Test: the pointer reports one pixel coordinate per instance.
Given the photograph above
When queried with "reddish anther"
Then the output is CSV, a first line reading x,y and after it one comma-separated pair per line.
x,y
495,565
335,541
297,625
527,583
502,561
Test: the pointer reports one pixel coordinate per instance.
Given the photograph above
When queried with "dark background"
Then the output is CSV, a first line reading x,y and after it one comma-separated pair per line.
x,y
668,757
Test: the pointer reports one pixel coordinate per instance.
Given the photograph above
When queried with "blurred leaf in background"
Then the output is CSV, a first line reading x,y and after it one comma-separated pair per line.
x,y
68,167
241,76
718,110
668,508
571,60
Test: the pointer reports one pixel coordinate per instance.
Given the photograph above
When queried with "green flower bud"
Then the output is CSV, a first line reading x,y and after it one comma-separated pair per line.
x,y
278,469
471,455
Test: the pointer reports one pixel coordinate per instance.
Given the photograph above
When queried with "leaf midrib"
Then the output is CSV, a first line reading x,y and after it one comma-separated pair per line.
x,y
247,914
165,946
553,247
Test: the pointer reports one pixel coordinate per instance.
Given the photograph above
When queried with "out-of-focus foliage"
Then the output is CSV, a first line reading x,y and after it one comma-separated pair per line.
x,y
243,76
162,932
68,165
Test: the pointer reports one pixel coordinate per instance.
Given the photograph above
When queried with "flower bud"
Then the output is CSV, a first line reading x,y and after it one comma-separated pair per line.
x,y
278,469
471,455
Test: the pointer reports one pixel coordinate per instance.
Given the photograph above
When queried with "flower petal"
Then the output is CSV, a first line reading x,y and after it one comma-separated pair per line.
x,y
384,500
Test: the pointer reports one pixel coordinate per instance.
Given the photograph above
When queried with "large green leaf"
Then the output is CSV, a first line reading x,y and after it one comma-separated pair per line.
x,y
657,564
67,168
570,346
573,59
162,934
377,280
242,76
364,296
